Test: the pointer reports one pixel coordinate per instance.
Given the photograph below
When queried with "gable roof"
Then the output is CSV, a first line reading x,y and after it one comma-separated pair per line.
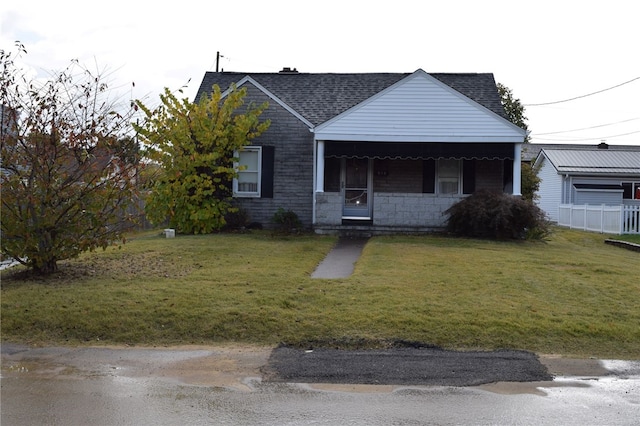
x,y
592,162
420,108
322,96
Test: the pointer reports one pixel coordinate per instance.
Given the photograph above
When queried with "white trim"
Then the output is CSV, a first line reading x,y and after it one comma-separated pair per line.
x,y
236,165
517,169
249,79
320,167
415,138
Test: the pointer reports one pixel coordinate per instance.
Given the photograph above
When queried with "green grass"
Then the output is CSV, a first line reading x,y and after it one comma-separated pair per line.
x,y
573,295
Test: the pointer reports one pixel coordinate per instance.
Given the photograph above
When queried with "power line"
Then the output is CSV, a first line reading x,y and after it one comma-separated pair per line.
x,y
586,128
584,96
585,139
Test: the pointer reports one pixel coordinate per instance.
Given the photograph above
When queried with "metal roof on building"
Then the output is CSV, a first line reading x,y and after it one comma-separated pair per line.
x,y
530,151
593,161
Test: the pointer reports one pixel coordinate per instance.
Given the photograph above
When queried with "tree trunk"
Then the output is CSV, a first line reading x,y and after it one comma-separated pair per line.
x,y
48,267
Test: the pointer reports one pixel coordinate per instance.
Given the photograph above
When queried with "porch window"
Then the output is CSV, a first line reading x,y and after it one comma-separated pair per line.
x,y
247,184
448,176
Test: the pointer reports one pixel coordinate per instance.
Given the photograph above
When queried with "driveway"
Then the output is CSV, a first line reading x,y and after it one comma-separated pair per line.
x,y
248,385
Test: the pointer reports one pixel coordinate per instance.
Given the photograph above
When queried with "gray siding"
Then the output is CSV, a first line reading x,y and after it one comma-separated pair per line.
x,y
293,167
608,198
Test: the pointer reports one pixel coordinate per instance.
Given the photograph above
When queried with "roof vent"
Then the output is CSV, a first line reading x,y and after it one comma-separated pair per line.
x,y
603,145
287,70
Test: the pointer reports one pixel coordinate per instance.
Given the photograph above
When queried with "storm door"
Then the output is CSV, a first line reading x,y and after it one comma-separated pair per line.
x,y
356,188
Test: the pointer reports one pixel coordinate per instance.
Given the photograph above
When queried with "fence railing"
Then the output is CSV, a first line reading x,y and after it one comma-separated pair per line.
x,y
622,219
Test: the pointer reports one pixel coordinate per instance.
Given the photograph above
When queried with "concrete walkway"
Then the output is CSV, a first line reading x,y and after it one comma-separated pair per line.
x,y
341,260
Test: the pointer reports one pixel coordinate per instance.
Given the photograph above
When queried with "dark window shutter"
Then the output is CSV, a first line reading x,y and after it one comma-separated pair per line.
x,y
429,176
468,176
266,182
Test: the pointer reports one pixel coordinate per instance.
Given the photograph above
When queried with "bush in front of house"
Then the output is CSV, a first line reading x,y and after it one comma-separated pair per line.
x,y
236,219
487,214
286,221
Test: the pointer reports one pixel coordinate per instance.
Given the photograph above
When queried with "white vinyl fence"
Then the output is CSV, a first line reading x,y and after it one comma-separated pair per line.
x,y
622,219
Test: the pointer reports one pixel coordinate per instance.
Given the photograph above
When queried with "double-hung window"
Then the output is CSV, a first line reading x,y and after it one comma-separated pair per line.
x,y
249,167
448,176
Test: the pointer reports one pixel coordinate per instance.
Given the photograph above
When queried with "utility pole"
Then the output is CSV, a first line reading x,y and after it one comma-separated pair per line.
x,y
217,60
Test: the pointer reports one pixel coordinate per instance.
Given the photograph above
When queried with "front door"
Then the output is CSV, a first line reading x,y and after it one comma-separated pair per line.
x,y
356,188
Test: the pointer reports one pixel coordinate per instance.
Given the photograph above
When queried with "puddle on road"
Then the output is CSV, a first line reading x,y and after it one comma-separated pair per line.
x,y
39,369
231,367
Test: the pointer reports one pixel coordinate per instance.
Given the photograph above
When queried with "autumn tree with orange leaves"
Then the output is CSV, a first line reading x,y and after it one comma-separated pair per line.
x,y
68,164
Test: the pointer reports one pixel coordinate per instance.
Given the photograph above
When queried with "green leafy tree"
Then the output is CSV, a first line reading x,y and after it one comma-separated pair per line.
x,y
196,144
513,108
516,114
67,167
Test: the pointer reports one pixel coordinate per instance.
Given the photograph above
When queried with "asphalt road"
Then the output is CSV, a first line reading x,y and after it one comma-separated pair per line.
x,y
403,366
245,385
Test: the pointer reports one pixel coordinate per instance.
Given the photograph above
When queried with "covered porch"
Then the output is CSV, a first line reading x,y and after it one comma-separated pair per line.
x,y
391,187
397,161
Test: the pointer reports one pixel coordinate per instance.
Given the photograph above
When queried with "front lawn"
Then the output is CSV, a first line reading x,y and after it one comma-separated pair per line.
x,y
573,295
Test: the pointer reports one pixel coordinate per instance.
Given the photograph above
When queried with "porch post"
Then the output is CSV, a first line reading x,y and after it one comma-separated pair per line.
x,y
320,167
517,169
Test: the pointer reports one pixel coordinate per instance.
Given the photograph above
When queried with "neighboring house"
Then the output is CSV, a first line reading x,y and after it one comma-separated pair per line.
x,y
593,176
373,152
530,151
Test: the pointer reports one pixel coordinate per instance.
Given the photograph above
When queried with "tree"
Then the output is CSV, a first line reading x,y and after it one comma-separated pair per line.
x,y
516,114
196,145
513,108
68,169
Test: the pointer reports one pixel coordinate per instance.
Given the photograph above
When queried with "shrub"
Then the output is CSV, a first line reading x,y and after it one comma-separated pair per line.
x,y
236,219
286,221
486,214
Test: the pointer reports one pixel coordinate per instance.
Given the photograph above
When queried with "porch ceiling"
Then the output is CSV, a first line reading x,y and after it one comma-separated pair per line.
x,y
419,151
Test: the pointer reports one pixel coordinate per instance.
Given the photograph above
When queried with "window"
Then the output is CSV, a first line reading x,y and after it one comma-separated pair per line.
x,y
249,167
449,176
631,190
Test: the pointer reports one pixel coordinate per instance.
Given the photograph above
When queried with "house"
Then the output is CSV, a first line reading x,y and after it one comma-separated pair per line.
x,y
589,176
372,152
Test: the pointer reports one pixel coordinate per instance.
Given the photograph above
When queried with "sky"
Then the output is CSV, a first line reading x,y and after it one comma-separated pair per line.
x,y
574,65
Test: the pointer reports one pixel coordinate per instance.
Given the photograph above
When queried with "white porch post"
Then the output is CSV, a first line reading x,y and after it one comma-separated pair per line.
x,y
517,169
320,167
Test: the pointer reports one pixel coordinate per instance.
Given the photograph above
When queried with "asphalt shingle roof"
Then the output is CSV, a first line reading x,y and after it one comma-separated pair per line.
x,y
320,97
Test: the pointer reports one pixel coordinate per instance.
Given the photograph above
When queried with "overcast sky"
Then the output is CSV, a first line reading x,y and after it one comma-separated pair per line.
x,y
544,51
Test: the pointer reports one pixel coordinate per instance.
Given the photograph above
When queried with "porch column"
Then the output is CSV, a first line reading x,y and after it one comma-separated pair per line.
x,y
320,167
517,169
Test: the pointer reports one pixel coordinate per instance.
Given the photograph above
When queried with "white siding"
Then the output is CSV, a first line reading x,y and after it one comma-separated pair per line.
x,y
550,190
420,109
